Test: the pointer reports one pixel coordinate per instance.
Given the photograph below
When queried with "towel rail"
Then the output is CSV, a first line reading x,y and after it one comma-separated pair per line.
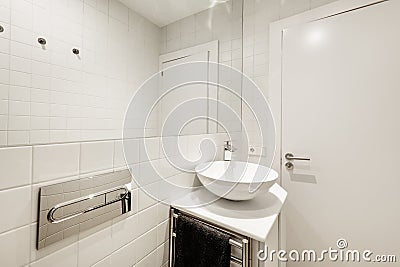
x,y
125,195
245,261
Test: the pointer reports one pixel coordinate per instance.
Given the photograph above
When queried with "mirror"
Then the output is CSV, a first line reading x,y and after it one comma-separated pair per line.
x,y
210,36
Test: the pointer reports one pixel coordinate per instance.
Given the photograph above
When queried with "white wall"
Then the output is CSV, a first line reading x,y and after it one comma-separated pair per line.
x,y
222,22
61,118
50,95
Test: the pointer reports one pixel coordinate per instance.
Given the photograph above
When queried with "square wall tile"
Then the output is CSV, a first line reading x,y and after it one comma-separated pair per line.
x,y
17,137
95,247
147,243
126,256
104,263
125,231
149,260
131,151
96,156
150,149
119,11
65,257
15,166
19,201
10,242
147,219
55,161
119,157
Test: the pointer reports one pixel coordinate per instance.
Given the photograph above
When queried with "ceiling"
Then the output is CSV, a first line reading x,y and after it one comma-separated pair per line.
x,y
164,12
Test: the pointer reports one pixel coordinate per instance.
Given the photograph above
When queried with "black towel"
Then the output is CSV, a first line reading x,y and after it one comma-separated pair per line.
x,y
199,245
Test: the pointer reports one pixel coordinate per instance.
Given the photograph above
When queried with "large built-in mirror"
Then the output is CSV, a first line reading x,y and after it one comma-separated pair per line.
x,y
75,84
211,36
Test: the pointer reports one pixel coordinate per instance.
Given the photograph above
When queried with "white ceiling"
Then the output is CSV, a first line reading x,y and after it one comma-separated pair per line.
x,y
164,12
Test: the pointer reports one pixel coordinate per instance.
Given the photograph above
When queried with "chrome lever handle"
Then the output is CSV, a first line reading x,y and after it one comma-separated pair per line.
x,y
290,156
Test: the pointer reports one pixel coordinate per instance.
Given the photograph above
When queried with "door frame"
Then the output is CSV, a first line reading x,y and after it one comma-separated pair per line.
x,y
276,30
275,55
212,48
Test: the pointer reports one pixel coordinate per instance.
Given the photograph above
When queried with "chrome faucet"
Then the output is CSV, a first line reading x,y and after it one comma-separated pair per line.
x,y
228,149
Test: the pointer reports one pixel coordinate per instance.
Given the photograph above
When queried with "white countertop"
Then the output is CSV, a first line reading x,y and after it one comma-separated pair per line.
x,y
253,218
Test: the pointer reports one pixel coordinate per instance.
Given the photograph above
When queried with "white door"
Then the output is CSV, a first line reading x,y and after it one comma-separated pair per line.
x,y
341,109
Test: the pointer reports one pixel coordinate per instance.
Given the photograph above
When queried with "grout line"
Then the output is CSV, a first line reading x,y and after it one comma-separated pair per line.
x,y
15,229
132,241
9,82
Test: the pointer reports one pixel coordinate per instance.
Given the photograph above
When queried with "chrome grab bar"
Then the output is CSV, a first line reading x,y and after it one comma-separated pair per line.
x,y
290,156
124,196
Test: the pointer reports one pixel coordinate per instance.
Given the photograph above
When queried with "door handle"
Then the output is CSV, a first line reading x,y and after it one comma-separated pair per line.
x,y
290,156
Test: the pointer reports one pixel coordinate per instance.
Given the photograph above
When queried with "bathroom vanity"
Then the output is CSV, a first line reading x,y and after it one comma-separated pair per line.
x,y
251,223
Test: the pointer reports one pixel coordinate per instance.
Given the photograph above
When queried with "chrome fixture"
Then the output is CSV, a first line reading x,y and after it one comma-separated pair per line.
x,y
75,51
289,166
238,241
1,29
68,208
42,41
289,156
228,149
124,197
215,2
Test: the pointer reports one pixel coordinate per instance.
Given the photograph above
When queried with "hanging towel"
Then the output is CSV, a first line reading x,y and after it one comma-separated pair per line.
x,y
199,245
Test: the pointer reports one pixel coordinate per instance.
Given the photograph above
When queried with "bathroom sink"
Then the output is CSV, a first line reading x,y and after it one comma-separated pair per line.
x,y
235,180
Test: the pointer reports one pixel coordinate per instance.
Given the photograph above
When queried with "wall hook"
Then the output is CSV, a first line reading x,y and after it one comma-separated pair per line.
x,y
42,41
1,29
75,51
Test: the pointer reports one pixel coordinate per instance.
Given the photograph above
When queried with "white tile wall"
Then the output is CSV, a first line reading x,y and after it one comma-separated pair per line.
x,y
15,247
133,238
48,95
223,22
51,101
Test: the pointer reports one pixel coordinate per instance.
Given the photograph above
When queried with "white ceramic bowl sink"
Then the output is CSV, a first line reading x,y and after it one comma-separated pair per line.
x,y
232,179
